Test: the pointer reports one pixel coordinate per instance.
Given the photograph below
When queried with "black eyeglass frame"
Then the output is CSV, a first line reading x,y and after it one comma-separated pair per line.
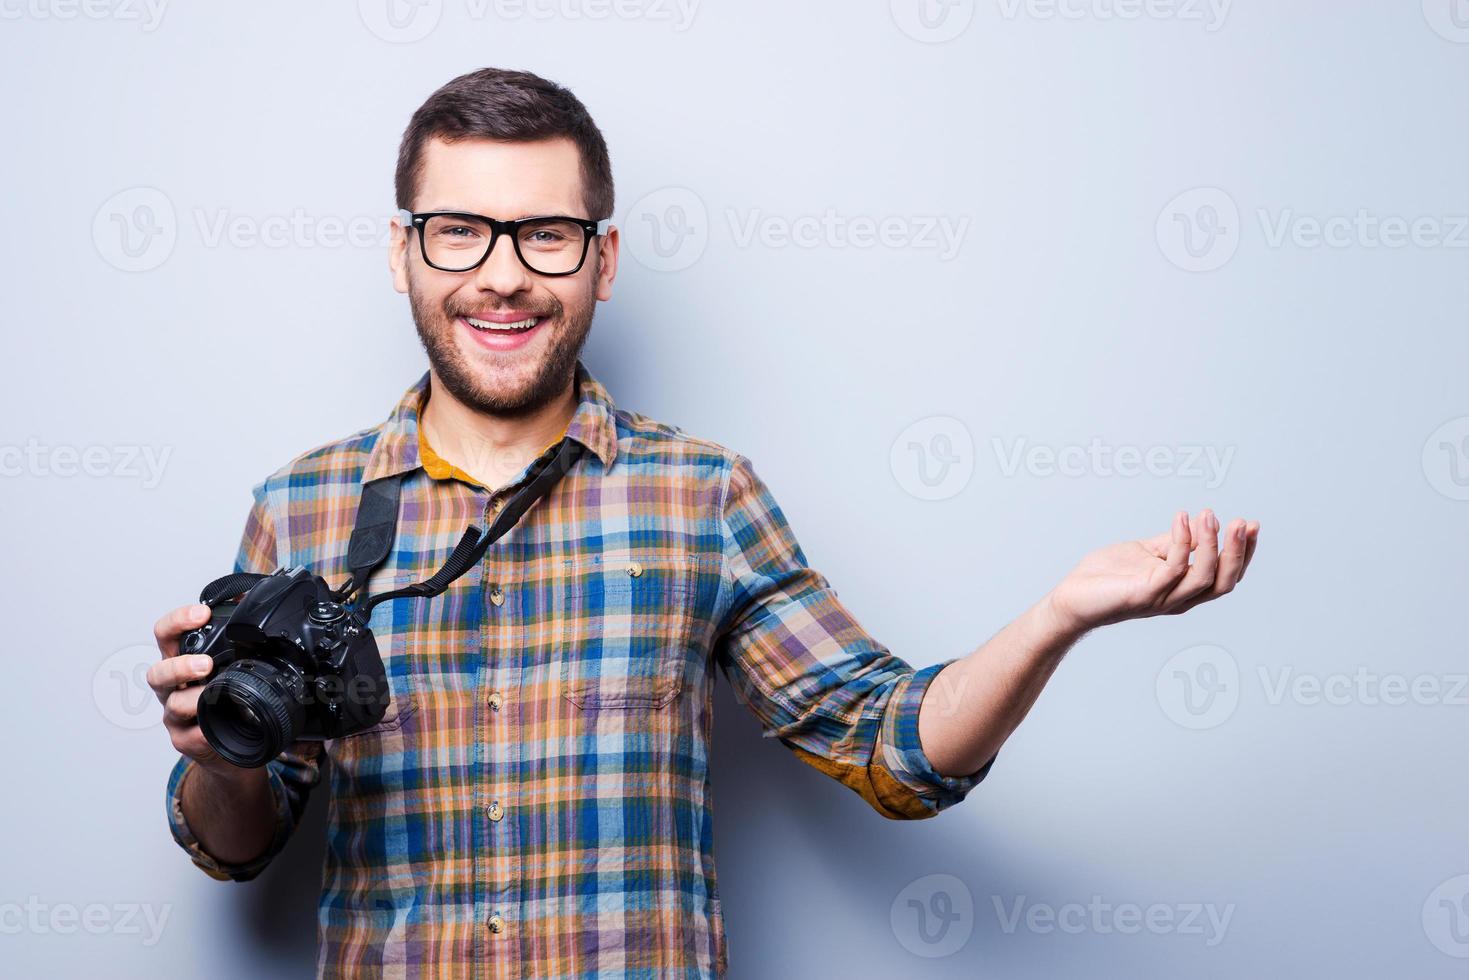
x,y
417,219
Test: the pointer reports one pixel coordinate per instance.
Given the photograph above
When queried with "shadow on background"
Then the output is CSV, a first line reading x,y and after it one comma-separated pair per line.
x,y
277,911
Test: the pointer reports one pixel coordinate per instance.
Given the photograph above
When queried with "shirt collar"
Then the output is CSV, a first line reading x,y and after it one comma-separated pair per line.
x,y
593,424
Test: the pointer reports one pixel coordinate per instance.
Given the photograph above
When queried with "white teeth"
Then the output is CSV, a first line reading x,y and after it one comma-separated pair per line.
x,y
517,325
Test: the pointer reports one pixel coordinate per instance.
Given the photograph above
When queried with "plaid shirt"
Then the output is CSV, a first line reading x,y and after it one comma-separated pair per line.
x,y
536,802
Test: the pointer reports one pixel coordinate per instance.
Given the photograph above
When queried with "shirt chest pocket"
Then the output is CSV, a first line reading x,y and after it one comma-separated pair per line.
x,y
627,630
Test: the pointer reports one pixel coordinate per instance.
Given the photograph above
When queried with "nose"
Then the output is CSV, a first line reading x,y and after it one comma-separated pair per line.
x,y
502,272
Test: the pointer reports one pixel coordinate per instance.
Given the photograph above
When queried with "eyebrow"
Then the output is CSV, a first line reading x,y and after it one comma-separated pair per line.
x,y
525,214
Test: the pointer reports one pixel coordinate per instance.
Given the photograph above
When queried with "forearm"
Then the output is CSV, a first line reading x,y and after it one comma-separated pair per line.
x,y
974,704
231,815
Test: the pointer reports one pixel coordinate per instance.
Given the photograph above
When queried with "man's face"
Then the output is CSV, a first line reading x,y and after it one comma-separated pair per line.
x,y
498,371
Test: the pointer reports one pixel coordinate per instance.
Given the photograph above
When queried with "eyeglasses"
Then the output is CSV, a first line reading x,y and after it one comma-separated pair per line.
x,y
455,241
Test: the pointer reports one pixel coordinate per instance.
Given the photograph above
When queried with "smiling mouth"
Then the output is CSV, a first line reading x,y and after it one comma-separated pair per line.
x,y
519,326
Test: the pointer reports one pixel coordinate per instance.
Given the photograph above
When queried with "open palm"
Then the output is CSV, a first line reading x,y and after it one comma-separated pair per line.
x,y
1153,576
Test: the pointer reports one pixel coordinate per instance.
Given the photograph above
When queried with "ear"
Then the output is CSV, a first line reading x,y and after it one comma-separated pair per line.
x,y
607,251
398,256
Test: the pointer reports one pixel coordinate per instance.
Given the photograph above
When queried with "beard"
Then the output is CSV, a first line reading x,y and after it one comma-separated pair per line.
x,y
566,329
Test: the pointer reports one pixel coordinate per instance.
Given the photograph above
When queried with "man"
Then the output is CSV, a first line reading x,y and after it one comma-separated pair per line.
x,y
536,801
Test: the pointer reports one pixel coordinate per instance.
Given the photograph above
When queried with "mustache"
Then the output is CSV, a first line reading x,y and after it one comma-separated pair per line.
x,y
548,313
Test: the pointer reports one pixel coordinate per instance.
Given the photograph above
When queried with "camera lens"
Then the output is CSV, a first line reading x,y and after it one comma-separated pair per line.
x,y
249,713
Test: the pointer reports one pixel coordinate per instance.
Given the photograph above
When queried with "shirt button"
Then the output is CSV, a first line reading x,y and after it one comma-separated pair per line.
x,y
634,569
497,924
494,811
497,596
497,700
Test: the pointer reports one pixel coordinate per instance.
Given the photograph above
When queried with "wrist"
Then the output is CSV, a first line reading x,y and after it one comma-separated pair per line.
x,y
221,775
1056,622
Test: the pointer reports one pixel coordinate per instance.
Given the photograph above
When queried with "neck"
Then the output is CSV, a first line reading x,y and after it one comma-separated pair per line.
x,y
492,448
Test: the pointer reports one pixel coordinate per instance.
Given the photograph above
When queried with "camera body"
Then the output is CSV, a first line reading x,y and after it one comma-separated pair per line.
x,y
290,662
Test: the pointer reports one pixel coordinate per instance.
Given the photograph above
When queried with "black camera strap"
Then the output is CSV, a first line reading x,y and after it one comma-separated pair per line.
x,y
377,521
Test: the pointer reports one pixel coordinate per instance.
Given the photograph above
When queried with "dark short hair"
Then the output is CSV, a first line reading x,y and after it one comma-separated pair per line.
x,y
514,106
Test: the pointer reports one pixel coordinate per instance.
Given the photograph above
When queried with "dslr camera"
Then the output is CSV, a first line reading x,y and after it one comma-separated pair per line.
x,y
291,662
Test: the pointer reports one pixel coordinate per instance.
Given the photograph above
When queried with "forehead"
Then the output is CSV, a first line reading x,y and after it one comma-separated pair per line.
x,y
501,179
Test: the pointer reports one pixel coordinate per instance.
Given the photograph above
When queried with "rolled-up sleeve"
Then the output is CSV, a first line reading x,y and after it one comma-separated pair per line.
x,y
813,676
292,774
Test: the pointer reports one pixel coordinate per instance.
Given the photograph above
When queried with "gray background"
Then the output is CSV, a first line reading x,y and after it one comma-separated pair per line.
x,y
1086,304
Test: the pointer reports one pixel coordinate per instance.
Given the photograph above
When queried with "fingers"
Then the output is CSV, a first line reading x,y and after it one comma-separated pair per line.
x,y
174,624
1200,576
189,740
181,708
1231,558
1252,537
167,676
1180,544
